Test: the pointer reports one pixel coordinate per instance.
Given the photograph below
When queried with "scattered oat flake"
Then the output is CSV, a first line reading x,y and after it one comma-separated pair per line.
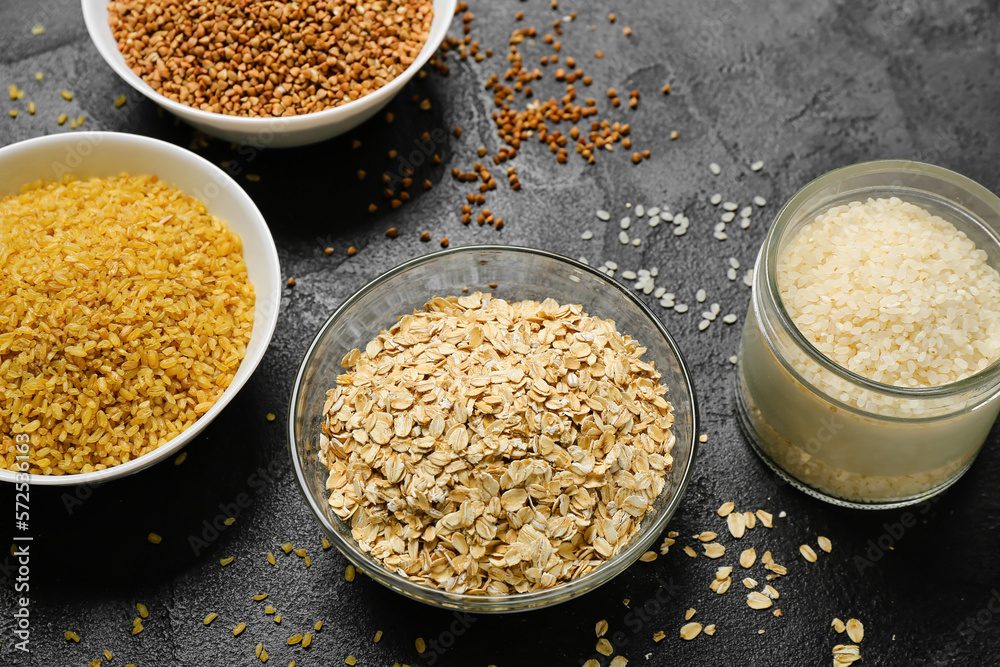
x,y
710,629
846,654
690,630
838,625
723,572
601,628
618,661
715,550
748,558
766,518
648,557
690,613
604,647
659,636
772,592
726,509
757,600
750,582
808,553
690,552
737,524
707,536
824,543
855,630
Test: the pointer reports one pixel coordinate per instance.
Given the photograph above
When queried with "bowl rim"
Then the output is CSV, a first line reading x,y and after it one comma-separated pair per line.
x,y
270,323
522,601
99,30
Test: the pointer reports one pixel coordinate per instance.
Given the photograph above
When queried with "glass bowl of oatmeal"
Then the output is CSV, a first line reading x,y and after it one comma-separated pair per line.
x,y
530,442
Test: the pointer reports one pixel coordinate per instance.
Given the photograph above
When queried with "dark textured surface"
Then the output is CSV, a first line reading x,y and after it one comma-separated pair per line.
x,y
804,86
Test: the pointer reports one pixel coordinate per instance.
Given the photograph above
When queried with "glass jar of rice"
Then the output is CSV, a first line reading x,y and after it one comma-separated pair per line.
x,y
868,368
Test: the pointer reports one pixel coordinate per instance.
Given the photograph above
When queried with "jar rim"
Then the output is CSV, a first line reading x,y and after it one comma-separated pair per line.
x,y
766,283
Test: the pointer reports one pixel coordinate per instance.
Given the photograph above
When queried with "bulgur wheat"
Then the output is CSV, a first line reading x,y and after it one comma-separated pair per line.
x,y
125,311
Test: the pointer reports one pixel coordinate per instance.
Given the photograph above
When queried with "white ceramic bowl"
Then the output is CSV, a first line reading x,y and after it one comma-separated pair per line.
x,y
88,154
268,132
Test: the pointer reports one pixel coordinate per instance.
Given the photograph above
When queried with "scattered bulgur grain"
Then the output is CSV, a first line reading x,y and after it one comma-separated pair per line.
x,y
32,108
270,558
318,626
260,596
601,628
351,251
61,120
240,627
211,617
325,543
294,639
71,636
180,458
604,647
349,573
66,95
659,636
154,538
287,547
120,101
350,660
377,637
269,609
421,646
307,640
37,29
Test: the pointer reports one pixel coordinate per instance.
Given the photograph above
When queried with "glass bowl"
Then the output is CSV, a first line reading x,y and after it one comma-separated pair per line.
x,y
520,273
832,433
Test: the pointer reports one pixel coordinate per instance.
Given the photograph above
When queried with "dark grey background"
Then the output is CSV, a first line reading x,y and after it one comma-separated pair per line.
x,y
804,86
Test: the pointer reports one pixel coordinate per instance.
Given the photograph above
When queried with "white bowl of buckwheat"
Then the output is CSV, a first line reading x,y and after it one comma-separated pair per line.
x,y
493,429
267,74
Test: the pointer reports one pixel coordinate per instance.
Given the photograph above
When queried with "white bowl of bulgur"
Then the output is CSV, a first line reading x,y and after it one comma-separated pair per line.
x,y
267,72
140,291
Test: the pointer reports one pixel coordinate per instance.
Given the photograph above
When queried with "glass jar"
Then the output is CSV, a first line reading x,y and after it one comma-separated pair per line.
x,y
830,432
